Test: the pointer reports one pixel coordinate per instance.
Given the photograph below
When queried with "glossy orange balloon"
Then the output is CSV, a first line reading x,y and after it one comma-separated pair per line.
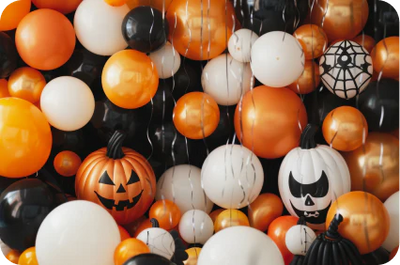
x,y
64,7
196,115
28,257
230,218
266,208
128,249
365,220
393,253
214,214
130,79
203,28
166,212
13,14
366,41
45,39
143,225
115,2
25,138
158,4
308,81
124,234
385,57
4,88
67,163
193,256
26,83
374,167
270,120
13,256
313,39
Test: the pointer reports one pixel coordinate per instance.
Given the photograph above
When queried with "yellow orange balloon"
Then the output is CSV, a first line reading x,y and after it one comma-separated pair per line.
x,y
28,257
193,254
229,218
13,14
26,83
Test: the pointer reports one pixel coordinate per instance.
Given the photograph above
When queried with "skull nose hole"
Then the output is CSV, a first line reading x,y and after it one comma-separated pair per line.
x,y
121,189
309,201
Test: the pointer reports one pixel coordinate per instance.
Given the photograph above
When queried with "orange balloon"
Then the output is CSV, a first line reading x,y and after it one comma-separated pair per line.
x,y
26,83
115,2
365,220
214,214
124,234
345,128
313,39
67,163
193,254
130,79
166,212
308,81
128,249
25,138
28,257
202,29
65,7
13,256
230,218
133,226
270,120
4,89
13,14
366,41
143,225
393,253
266,208
158,4
45,39
385,57
196,115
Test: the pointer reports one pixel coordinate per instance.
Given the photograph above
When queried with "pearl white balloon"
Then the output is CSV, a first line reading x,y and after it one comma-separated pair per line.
x,y
196,226
79,233
277,59
232,176
159,241
392,206
240,245
299,239
182,185
241,43
98,27
68,103
226,91
167,61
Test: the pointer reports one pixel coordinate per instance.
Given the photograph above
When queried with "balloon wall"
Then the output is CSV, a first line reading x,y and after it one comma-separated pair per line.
x,y
191,132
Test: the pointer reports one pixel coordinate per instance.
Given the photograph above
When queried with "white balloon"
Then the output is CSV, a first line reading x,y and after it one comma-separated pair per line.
x,y
241,43
299,238
392,206
277,59
159,241
79,233
240,245
98,26
196,226
226,91
68,103
232,176
167,61
182,185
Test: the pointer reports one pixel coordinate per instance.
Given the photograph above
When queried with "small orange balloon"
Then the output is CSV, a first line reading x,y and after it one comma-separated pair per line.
x,y
277,232
308,81
385,57
143,225
166,212
365,220
65,7
128,249
124,234
345,128
313,40
196,115
28,257
193,254
230,218
45,39
14,13
67,163
161,5
366,41
393,253
214,214
4,89
13,256
26,83
130,79
266,208
115,2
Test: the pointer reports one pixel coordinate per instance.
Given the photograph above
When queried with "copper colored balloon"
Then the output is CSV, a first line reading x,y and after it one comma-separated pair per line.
x,y
26,83
193,256
158,4
340,19
266,208
196,115
143,225
345,128
14,13
202,29
13,256
124,234
313,39
64,7
374,167
393,253
28,257
366,41
67,163
308,81
269,121
230,218
115,2
166,212
385,57
365,220
128,249
214,214
4,88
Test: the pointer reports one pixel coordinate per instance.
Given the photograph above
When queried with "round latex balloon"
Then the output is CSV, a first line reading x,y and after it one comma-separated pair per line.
x,y
193,256
28,257
143,226
393,253
150,258
13,256
129,79
196,227
313,40
277,59
392,206
67,163
64,7
166,213
230,218
67,103
45,39
299,238
4,89
159,241
98,26
241,43
385,56
128,249
308,81
13,13
366,41
8,55
124,233
26,83
214,214
167,61
266,208
115,2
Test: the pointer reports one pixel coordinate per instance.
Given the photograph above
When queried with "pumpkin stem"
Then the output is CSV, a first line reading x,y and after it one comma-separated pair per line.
x,y
307,140
114,147
154,222
334,226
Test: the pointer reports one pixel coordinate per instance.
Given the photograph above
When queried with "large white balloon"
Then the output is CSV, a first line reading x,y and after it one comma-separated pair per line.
x,y
196,226
182,185
78,233
299,238
226,79
241,43
240,245
167,61
68,103
277,59
159,241
392,206
98,27
232,176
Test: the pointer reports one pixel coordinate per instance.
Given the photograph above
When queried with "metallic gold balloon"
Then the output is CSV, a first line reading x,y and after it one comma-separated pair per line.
x,y
229,218
385,57
266,208
313,39
308,81
193,256
374,167
366,41
26,83
4,89
28,257
345,128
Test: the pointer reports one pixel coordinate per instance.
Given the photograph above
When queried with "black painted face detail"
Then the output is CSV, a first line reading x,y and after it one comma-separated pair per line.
x,y
318,189
313,217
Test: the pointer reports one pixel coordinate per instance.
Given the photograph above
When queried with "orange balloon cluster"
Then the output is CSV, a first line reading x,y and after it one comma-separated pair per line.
x,y
64,7
13,14
266,208
67,163
166,212
230,218
308,81
26,83
385,57
313,40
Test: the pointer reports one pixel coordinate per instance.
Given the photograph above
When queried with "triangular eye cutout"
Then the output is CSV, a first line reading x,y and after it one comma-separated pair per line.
x,y
133,179
105,179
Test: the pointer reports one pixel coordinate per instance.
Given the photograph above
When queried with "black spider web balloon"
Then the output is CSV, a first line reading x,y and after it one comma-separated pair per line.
x,y
346,69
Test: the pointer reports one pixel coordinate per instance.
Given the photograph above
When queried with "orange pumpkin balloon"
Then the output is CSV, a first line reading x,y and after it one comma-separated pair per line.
x,y
64,7
143,225
67,163
128,249
28,257
115,2
266,208
161,5
308,81
313,39
277,232
199,35
385,57
124,234
196,115
166,213
214,214
118,179
4,89
13,256
270,120
26,83
130,79
366,41
230,218
393,253
13,14
193,254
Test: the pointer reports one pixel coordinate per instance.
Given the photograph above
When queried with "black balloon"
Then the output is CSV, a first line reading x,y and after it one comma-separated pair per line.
x,y
145,29
379,256
225,130
8,55
383,20
186,79
5,182
73,141
148,259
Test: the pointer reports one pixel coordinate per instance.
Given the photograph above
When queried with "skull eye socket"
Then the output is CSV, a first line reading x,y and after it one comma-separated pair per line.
x,y
105,179
133,179
317,189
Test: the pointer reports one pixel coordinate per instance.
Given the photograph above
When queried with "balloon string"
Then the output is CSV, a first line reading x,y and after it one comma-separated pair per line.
x,y
148,129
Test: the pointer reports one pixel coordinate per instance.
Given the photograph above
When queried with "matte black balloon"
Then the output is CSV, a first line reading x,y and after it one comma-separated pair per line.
x,y
225,129
186,79
145,29
8,55
148,259
383,20
379,256
73,141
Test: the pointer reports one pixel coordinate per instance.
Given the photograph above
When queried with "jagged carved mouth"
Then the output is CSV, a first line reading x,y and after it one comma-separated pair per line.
x,y
122,205
313,217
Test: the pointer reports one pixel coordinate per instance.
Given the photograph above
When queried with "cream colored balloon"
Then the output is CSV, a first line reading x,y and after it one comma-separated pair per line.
x,y
196,227
167,61
241,43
